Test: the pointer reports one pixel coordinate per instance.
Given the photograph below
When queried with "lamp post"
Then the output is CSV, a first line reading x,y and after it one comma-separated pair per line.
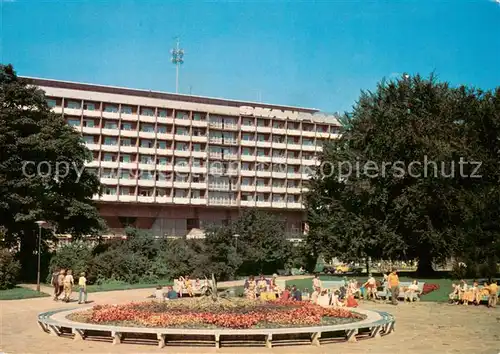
x,y
177,59
236,241
40,223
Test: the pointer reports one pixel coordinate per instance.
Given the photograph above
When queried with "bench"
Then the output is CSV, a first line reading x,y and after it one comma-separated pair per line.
x,y
196,290
402,285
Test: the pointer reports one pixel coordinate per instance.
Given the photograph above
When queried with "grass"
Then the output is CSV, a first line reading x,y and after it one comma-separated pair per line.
x,y
118,285
440,295
18,293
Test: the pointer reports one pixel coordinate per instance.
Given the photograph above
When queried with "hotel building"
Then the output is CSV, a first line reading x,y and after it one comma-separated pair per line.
x,y
175,163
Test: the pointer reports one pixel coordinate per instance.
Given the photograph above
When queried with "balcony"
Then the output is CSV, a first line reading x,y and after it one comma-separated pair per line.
x,y
94,147
110,132
163,199
165,136
164,152
266,144
249,158
279,159
293,190
57,110
129,133
279,174
294,175
199,123
183,122
309,147
165,120
132,181
164,184
247,173
262,204
109,164
91,130
248,188
266,174
146,182
230,126
263,129
294,146
72,111
182,137
181,200
279,131
215,155
281,189
129,116
149,119
308,133
222,201
263,189
277,145
309,162
198,185
264,158
323,134
247,128
164,167
247,203
231,157
109,148
293,161
91,164
127,198
216,125
199,201
182,153
113,115
128,149
181,185
251,143
147,150
181,168
143,199
294,205
200,154
199,138
279,205
199,169
95,113
295,132
109,198
147,135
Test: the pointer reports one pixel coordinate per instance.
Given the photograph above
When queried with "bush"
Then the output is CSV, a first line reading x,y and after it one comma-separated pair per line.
x,y
9,269
76,256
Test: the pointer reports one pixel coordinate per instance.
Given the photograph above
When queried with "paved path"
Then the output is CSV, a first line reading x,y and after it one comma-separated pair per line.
x,y
421,328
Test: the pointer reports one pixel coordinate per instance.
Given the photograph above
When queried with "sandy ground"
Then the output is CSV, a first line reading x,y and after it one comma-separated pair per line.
x,y
420,328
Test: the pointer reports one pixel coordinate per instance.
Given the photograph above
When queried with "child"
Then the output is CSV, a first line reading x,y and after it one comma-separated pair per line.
x,y
454,294
336,299
305,295
82,283
286,294
171,294
159,294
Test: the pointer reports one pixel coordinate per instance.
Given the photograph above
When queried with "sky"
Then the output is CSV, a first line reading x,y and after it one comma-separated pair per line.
x,y
316,54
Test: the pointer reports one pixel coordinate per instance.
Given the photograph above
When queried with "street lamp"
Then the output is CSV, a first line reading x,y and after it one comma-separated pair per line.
x,y
40,223
236,241
177,59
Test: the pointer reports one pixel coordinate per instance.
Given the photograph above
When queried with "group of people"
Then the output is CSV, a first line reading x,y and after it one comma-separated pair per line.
x,y
63,282
184,285
465,294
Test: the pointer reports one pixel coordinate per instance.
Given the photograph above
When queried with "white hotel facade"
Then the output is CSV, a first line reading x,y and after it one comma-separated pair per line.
x,y
175,163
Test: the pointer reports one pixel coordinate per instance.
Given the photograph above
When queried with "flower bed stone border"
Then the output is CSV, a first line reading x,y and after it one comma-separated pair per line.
x,y
375,324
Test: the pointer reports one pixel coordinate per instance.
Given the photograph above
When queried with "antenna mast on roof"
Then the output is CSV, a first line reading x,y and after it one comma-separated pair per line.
x,y
177,59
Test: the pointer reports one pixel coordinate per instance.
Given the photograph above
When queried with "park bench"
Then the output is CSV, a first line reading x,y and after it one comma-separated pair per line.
x,y
196,290
402,286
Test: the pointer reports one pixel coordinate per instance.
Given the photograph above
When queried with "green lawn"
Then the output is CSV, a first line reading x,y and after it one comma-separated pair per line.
x,y
118,285
20,293
440,295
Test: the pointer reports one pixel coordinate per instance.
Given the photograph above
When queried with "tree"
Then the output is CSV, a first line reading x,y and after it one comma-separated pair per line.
x,y
42,174
384,189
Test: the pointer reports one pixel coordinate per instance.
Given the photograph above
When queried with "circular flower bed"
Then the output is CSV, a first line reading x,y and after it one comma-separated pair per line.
x,y
204,313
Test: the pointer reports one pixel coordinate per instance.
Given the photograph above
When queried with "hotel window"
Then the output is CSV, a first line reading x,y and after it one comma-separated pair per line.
x,y
248,137
247,121
197,116
51,103
307,156
261,137
109,191
246,166
110,141
110,108
147,159
277,198
197,163
278,125
261,152
291,154
74,122
110,125
260,182
291,140
126,142
292,125
260,197
291,169
126,126
89,106
161,176
278,139
125,158
147,144
109,157
247,196
291,199
196,147
127,109
88,123
161,129
181,115
308,142
74,105
199,132
161,193
147,175
278,183
245,181
147,112
247,151
261,123
162,113
181,131
147,128
291,184
162,161
179,146
124,191
181,162
180,193
107,173
88,139
146,192
195,194
161,145
278,153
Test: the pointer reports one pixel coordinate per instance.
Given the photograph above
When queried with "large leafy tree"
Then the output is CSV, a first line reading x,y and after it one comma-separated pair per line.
x,y
394,185
34,142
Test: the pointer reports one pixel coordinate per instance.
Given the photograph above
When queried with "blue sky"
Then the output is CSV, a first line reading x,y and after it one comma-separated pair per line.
x,y
312,54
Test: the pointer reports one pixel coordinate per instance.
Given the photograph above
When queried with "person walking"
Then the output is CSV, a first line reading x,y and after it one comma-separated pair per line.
x,y
493,298
55,283
82,283
393,281
68,285
60,283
